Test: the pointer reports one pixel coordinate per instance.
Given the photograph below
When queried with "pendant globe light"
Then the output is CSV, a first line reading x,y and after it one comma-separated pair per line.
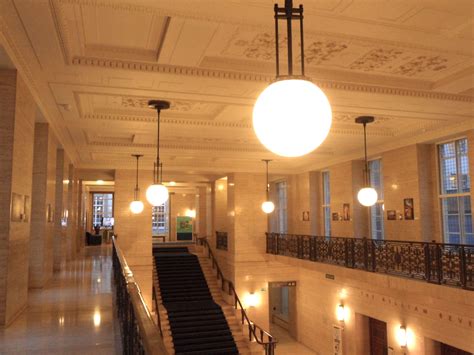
x,y
367,195
268,206
136,206
292,116
157,193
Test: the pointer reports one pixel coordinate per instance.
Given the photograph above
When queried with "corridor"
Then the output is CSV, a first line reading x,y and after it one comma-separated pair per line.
x,y
73,314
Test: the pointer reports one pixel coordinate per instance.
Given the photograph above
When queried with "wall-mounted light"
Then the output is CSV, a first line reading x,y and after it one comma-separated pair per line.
x,y
341,313
402,336
220,187
190,213
100,182
251,299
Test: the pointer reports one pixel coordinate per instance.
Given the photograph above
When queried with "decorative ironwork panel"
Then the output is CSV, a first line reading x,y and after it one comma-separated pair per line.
x,y
444,264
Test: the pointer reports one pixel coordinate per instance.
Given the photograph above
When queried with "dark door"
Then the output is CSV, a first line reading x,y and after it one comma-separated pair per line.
x,y
451,350
378,337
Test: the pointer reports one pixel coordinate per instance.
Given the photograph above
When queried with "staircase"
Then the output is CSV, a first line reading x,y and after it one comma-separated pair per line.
x,y
194,317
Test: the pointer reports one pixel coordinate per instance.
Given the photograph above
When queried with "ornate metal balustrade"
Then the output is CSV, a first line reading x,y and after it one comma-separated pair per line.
x,y
221,240
139,333
443,264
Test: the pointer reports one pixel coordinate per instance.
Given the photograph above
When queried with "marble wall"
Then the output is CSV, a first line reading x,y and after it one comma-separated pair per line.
x,y
17,116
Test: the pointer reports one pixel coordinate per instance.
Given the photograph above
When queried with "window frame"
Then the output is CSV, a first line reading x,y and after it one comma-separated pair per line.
x,y
380,201
442,196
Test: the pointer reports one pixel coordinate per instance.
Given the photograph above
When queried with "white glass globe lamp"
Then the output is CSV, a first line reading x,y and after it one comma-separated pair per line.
x,y
268,207
136,207
367,196
157,194
292,117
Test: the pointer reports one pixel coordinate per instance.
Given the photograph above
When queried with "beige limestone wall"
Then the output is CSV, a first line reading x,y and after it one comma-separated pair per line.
x,y
298,195
134,234
42,207
345,181
315,203
179,204
17,115
428,311
202,212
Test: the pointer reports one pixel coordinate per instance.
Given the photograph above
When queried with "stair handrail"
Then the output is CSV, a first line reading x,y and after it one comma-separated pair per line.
x,y
253,328
138,330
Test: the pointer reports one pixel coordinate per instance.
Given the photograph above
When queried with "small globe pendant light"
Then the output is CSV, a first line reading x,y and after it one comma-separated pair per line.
x,y
292,116
367,196
136,206
157,193
268,206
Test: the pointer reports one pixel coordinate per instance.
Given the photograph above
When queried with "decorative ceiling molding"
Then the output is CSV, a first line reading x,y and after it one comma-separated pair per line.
x,y
229,75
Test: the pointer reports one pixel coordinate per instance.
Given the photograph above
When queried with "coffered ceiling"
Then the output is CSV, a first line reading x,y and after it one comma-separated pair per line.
x,y
92,65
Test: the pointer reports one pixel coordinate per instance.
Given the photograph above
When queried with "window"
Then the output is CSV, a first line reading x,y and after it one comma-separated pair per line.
x,y
455,192
326,204
281,208
160,219
377,210
102,209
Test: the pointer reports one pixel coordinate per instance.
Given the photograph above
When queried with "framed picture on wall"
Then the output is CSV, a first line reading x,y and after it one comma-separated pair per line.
x,y
305,216
346,214
408,209
335,216
392,215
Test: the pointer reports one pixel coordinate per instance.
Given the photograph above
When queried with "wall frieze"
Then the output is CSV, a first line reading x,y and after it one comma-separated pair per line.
x,y
231,75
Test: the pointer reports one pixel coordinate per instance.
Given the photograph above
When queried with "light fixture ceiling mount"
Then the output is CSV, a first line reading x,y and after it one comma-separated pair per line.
x,y
292,116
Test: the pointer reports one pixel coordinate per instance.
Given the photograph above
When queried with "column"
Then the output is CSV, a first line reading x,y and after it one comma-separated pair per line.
x,y
17,115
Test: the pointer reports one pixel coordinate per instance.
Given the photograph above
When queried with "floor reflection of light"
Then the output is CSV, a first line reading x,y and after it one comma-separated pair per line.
x,y
61,321
99,280
97,319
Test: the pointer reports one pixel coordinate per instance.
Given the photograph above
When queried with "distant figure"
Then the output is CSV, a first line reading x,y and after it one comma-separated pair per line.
x,y
97,229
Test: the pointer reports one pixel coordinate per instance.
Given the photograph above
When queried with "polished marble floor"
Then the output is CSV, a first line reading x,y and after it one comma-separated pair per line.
x,y
73,314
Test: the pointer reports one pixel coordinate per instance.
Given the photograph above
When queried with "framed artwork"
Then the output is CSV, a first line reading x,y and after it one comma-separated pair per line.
x,y
26,208
408,209
392,215
335,216
346,214
17,207
305,216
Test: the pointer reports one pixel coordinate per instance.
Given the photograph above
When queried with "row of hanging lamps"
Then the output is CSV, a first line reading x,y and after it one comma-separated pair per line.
x,y
367,195
157,193
268,206
136,206
292,116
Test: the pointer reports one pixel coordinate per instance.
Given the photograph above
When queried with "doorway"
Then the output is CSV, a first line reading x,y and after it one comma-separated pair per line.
x,y
378,337
282,310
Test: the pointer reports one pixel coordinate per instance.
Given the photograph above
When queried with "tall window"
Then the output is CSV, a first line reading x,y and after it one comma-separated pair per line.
x,y
281,208
102,209
326,204
160,219
455,192
376,211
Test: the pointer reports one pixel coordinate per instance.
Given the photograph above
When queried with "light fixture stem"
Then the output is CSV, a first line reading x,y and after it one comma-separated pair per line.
x,y
276,42
367,181
161,173
136,180
268,185
158,147
301,40
289,14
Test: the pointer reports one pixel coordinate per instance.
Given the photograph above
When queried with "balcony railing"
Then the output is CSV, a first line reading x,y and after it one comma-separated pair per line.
x,y
138,331
443,264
